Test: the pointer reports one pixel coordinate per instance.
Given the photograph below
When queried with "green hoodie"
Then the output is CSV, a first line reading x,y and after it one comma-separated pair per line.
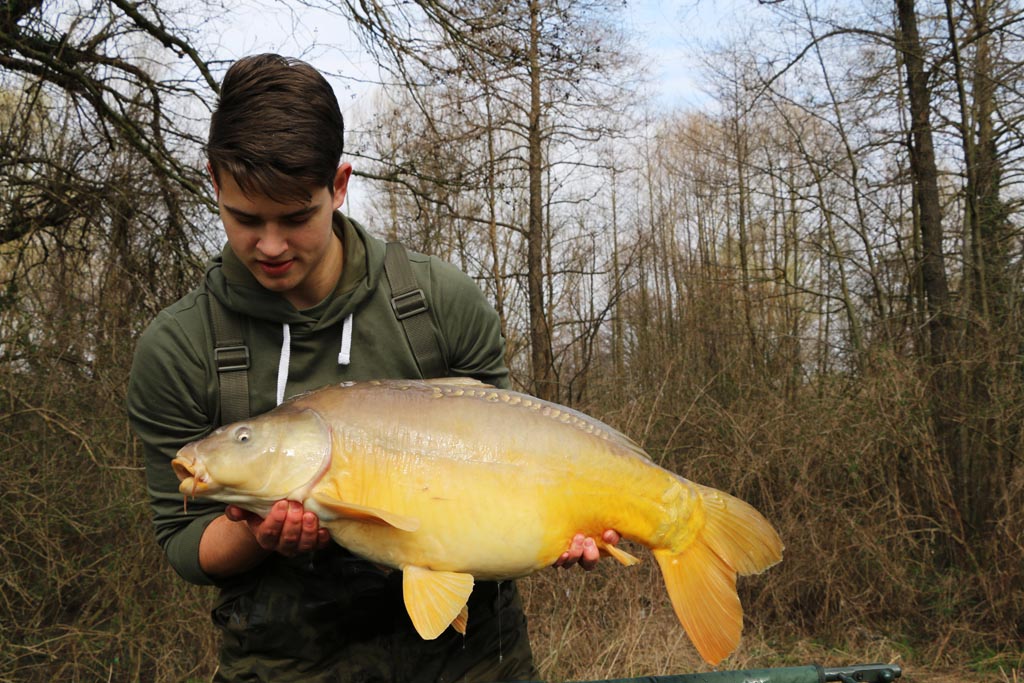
x,y
173,398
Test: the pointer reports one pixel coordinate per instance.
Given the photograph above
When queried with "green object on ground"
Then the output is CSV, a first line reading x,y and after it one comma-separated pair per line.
x,y
813,673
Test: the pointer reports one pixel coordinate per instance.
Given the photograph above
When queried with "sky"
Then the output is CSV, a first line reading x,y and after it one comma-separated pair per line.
x,y
669,32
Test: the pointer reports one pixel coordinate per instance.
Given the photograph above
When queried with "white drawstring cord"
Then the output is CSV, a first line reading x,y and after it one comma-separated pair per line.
x,y
282,366
345,354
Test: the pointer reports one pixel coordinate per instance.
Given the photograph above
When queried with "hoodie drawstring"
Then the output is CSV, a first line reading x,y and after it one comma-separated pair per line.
x,y
344,354
282,366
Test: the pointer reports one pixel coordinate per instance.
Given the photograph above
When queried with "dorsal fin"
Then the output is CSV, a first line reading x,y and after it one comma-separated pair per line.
x,y
458,382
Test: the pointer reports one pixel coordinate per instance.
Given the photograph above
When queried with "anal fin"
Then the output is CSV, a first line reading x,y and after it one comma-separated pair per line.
x,y
462,620
434,599
624,558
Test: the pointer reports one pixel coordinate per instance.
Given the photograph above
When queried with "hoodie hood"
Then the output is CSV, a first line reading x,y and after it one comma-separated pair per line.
x,y
233,285
363,265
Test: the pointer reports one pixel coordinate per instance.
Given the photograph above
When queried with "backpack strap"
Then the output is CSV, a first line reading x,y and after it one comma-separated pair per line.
x,y
232,358
410,306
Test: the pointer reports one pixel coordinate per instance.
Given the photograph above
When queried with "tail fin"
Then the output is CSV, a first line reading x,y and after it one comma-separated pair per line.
x,y
701,579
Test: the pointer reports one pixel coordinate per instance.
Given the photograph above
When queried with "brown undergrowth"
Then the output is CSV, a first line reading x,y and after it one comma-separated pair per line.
x,y
847,477
86,594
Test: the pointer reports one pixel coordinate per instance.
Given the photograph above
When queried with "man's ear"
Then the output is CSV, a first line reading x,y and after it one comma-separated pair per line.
x,y
213,179
341,177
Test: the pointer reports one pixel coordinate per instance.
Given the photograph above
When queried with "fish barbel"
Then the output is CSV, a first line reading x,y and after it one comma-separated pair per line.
x,y
450,480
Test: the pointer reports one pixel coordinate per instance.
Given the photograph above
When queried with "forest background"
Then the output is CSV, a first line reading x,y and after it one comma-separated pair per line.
x,y
805,291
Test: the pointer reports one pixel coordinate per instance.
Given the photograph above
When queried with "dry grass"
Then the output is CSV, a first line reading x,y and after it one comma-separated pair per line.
x,y
847,476
86,595
588,625
617,622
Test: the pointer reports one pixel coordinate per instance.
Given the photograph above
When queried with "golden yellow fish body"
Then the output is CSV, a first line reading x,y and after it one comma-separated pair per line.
x,y
449,480
498,482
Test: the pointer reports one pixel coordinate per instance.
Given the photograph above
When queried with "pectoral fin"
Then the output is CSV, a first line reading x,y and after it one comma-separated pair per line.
x,y
435,600
366,514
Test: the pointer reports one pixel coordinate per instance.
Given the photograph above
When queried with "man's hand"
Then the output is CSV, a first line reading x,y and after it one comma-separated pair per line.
x,y
238,540
584,551
288,529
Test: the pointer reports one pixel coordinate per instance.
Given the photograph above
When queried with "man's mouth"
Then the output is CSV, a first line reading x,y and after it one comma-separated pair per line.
x,y
275,268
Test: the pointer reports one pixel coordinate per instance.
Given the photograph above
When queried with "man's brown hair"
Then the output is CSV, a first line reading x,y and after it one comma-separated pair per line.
x,y
277,128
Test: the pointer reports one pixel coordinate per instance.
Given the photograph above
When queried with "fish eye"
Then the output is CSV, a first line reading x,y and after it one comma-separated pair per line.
x,y
243,434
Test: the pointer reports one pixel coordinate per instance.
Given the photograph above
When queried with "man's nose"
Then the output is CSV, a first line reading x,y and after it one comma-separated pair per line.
x,y
272,242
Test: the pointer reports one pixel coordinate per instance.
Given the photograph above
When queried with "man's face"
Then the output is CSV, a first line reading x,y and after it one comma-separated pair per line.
x,y
290,248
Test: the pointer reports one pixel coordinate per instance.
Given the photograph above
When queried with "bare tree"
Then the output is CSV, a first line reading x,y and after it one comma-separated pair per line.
x,y
539,74
103,219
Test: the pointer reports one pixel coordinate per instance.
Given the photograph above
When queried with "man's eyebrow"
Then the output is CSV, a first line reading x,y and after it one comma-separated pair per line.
x,y
304,211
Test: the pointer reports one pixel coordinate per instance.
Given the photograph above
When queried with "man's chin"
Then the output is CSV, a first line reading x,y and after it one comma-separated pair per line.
x,y
275,283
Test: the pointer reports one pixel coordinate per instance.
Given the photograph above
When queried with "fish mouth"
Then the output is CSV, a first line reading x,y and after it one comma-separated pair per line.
x,y
193,475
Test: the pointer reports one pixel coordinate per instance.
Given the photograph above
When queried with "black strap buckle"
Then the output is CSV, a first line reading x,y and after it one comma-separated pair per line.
x,y
231,358
409,304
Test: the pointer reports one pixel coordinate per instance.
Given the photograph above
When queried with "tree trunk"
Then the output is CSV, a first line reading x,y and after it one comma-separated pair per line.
x,y
544,385
925,180
986,468
946,399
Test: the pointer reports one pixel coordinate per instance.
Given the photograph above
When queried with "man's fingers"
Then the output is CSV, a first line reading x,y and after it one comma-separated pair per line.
x,y
309,533
268,530
290,539
590,554
584,551
572,555
575,550
287,529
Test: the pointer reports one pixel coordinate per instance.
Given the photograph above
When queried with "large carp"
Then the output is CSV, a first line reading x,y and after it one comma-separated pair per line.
x,y
451,479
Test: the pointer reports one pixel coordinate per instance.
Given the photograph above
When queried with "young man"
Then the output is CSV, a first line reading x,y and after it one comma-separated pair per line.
x,y
308,287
